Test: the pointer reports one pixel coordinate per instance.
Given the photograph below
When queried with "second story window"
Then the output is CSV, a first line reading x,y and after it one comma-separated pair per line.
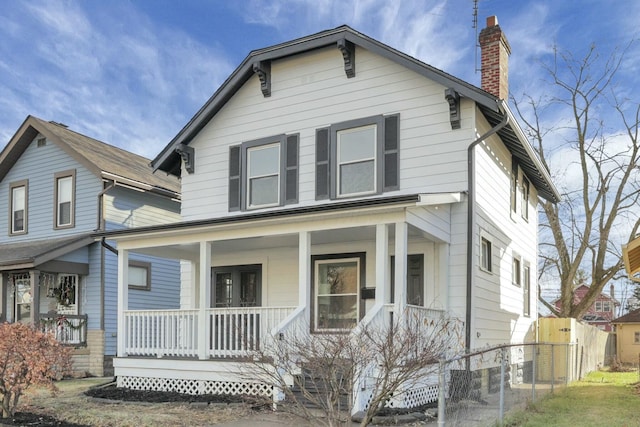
x,y
525,198
64,200
18,207
263,173
603,306
356,160
485,255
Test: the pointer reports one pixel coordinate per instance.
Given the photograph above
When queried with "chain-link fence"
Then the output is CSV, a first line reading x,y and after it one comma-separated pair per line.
x,y
479,388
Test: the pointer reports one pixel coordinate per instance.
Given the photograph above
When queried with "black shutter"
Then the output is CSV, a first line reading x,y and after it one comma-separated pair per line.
x,y
391,153
234,178
323,172
291,170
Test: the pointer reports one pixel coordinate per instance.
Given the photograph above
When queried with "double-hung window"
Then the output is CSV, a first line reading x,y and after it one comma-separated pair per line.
x,y
263,173
18,207
64,199
358,157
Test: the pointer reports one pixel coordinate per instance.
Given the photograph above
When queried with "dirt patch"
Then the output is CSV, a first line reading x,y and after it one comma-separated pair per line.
x,y
73,407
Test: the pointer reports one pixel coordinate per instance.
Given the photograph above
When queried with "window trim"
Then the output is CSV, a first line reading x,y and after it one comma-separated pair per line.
x,y
602,303
56,179
489,267
524,198
516,271
13,186
247,178
514,185
526,290
340,163
146,266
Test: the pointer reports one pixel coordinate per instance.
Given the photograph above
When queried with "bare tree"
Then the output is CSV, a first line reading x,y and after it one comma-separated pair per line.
x,y
316,372
592,150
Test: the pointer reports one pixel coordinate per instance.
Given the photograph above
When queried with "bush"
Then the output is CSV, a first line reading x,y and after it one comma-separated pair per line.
x,y
28,357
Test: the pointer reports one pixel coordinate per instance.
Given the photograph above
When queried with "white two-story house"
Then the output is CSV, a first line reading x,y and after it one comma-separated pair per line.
x,y
57,188
336,152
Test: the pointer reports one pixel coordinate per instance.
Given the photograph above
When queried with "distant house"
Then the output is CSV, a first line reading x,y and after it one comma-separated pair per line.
x,y
336,153
628,337
601,313
57,188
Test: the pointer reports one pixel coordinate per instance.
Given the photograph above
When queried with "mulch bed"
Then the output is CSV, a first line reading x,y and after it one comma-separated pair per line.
x,y
32,419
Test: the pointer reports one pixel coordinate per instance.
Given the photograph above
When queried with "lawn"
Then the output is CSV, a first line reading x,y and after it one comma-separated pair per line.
x,y
602,399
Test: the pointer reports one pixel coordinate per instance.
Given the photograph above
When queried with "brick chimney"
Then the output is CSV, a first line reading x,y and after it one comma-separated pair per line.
x,y
495,51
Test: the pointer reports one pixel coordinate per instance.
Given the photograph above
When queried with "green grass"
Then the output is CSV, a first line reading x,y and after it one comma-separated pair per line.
x,y
602,399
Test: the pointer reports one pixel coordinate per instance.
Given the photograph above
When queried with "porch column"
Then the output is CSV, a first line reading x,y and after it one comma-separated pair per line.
x,y
382,258
35,297
400,278
123,300
204,327
304,274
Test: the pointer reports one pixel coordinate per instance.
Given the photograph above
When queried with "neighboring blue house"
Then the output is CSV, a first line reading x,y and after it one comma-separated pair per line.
x,y
57,188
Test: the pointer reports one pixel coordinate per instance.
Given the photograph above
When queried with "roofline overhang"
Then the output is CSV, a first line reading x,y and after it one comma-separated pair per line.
x,y
169,161
402,201
33,262
133,184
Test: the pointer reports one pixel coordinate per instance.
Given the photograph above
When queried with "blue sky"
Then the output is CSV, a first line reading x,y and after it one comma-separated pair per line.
x,y
133,72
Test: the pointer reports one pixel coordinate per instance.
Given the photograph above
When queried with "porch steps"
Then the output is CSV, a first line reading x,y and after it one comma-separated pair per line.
x,y
310,388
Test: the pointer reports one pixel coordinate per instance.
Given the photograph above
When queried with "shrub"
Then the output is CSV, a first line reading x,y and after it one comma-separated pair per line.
x,y
28,357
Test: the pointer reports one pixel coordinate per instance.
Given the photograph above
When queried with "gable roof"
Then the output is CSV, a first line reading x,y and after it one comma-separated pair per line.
x,y
581,290
494,110
103,160
631,317
34,253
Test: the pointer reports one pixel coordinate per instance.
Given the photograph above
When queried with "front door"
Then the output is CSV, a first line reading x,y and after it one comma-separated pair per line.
x,y
22,297
415,279
237,286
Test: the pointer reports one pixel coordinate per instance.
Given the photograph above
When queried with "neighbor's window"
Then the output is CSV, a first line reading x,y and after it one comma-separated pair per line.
x,y
485,255
140,275
603,306
525,198
514,185
64,199
517,274
636,337
18,209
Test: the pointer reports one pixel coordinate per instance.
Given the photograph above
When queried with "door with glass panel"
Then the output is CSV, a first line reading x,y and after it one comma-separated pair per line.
x,y
336,305
236,287
22,297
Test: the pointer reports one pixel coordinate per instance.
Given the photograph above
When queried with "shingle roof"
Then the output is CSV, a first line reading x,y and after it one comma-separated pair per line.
x,y
631,317
104,160
33,253
494,109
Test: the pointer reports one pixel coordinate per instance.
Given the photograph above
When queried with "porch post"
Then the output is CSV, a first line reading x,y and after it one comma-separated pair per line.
x,y
400,279
304,274
382,257
204,327
35,298
123,300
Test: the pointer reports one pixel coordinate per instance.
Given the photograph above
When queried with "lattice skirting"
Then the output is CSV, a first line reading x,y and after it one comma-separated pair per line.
x,y
188,386
416,397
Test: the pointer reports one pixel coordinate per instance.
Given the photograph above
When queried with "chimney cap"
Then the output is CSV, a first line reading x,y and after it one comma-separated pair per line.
x,y
492,21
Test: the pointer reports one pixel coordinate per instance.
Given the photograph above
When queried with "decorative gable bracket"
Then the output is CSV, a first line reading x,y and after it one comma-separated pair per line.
x,y
348,50
453,98
188,155
263,70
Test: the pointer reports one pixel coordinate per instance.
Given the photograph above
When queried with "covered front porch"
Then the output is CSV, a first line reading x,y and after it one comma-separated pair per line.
x,y
245,283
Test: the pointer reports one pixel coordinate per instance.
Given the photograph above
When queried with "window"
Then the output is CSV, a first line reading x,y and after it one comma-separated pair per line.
x,y
64,199
485,255
358,157
337,280
517,276
514,185
526,290
263,173
636,337
140,275
603,306
525,198
18,210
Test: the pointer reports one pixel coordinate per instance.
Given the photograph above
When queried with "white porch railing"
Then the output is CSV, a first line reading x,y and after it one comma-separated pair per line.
x,y
239,331
235,332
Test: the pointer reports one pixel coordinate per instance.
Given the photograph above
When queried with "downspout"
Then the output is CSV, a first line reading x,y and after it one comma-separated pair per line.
x,y
471,219
101,224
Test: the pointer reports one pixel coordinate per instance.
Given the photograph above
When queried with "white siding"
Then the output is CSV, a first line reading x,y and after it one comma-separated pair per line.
x,y
311,91
126,208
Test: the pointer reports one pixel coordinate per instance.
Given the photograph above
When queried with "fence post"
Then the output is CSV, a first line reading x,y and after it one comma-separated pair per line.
x,y
533,373
503,362
567,369
441,393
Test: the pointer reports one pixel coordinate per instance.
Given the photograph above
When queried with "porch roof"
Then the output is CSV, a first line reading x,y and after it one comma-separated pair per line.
x,y
31,254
